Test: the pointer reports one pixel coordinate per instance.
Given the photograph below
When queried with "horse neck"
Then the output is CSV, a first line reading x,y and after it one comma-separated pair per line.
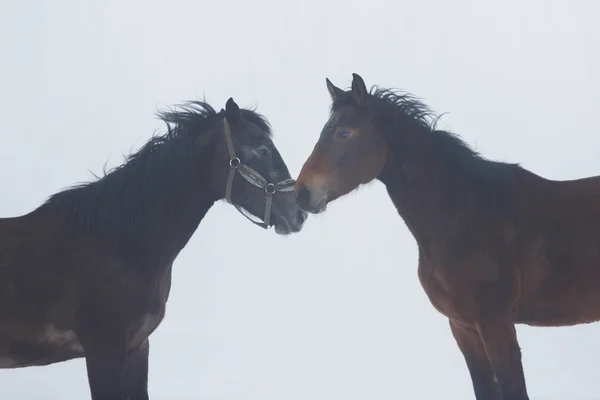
x,y
149,218
166,228
170,231
428,196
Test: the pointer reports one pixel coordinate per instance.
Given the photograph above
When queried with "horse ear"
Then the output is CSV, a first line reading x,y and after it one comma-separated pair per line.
x,y
232,111
359,89
334,91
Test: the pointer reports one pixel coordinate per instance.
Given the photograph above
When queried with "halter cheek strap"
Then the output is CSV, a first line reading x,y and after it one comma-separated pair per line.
x,y
254,178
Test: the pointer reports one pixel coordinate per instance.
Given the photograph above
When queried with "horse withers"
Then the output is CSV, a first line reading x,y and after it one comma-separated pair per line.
x,y
498,244
88,273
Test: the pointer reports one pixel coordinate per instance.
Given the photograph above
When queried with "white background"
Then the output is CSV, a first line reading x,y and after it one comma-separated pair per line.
x,y
340,313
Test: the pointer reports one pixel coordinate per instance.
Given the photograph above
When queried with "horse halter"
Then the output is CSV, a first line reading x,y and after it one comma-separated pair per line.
x,y
254,178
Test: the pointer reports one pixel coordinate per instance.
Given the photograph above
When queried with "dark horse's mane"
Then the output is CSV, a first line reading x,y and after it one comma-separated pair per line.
x,y
148,181
404,110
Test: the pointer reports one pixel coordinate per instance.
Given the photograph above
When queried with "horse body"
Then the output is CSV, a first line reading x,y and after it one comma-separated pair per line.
x,y
561,259
57,283
497,244
542,263
88,273
36,327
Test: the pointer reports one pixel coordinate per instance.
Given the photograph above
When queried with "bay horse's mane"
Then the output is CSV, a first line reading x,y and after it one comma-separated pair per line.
x,y
149,180
404,111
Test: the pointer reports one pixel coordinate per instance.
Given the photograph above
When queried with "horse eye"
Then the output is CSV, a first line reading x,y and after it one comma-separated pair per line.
x,y
343,134
262,151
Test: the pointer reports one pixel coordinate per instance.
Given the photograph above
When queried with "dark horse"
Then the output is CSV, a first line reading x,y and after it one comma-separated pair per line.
x,y
88,273
498,244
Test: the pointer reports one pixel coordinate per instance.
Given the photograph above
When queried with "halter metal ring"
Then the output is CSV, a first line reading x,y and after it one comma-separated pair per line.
x,y
270,188
234,162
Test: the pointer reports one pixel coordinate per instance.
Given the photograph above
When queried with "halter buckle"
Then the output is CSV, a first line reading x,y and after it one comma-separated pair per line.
x,y
234,162
270,188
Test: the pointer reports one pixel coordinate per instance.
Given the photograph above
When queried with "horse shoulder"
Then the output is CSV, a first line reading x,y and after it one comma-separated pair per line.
x,y
464,275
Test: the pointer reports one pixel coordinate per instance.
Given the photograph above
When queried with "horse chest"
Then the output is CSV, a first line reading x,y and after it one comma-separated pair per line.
x,y
444,298
149,317
144,325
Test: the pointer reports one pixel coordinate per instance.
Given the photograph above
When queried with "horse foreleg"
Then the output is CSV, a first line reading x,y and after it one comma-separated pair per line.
x,y
499,337
106,358
482,374
136,373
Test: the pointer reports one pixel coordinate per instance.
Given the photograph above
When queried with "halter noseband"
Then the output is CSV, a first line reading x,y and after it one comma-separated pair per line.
x,y
254,178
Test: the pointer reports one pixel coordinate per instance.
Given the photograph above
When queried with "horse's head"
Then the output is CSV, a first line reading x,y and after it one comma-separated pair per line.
x,y
350,151
257,181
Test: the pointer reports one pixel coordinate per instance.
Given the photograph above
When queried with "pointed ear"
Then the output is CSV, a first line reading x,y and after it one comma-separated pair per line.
x,y
334,91
359,89
232,111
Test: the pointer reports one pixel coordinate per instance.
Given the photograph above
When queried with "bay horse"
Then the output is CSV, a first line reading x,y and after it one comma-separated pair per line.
x,y
498,245
88,273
